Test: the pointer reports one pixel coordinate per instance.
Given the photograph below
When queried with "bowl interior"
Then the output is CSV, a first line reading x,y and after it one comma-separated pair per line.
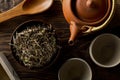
x,y
30,24
75,69
105,50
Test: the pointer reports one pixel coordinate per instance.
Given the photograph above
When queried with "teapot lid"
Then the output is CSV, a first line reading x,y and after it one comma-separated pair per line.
x,y
92,10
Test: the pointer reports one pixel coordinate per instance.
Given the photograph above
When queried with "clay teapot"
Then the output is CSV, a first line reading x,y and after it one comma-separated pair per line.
x,y
85,16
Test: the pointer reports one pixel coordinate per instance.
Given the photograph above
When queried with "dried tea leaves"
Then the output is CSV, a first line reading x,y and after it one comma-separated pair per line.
x,y
35,45
8,4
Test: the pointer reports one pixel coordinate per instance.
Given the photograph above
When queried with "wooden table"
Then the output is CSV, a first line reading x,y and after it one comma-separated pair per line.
x,y
55,17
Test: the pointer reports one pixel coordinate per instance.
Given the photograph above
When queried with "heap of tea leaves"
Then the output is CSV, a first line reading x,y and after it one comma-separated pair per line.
x,y
8,4
35,45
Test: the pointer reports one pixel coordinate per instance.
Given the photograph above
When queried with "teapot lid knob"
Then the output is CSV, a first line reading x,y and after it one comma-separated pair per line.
x,y
90,4
92,10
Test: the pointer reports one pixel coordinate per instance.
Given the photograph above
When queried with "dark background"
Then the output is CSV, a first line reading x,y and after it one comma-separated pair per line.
x,y
55,17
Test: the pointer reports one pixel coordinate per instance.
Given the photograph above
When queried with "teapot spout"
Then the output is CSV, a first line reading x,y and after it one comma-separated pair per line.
x,y
74,30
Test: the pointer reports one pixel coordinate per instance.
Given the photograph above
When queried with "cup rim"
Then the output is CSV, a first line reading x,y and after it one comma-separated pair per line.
x,y
91,55
71,59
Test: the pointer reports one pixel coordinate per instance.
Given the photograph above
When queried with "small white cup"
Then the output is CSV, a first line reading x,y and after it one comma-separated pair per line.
x,y
105,50
75,69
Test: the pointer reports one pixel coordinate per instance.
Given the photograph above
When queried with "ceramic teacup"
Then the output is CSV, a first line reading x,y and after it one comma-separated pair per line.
x,y
105,50
75,69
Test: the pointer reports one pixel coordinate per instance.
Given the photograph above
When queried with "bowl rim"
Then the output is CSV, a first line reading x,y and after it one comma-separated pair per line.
x,y
78,59
90,50
54,57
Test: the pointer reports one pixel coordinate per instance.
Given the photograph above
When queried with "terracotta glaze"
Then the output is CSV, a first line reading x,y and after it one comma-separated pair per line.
x,y
84,15
92,10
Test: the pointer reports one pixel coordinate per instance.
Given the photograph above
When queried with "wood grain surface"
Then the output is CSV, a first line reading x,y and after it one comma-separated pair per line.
x,y
3,74
55,17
